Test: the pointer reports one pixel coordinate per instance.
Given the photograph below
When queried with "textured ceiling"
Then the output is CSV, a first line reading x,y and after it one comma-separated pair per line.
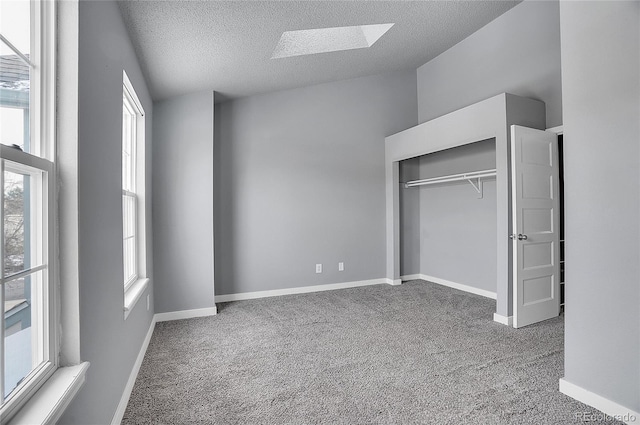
x,y
226,46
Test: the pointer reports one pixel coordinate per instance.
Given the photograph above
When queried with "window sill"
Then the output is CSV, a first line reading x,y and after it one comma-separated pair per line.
x,y
133,294
49,402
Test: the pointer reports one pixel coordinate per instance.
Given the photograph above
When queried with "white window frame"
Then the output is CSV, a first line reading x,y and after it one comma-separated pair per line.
x,y
135,285
41,157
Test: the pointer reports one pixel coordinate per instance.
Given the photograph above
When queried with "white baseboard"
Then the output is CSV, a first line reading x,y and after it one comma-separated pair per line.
x,y
186,314
299,290
505,320
393,282
411,277
124,400
454,285
606,406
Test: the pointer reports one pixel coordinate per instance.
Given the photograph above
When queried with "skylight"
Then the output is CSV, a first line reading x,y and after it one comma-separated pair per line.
x,y
323,40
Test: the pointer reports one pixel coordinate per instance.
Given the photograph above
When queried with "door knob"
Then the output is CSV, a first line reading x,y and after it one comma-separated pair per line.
x,y
522,237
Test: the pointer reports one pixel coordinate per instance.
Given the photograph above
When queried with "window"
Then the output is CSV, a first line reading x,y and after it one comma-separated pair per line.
x,y
28,342
133,240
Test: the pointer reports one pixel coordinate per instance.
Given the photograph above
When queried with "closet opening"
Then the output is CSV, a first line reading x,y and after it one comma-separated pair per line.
x,y
527,263
448,218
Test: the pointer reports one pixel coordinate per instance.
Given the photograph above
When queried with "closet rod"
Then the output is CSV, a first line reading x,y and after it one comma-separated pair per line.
x,y
453,178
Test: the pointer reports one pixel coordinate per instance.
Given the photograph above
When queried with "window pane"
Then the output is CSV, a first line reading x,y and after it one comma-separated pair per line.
x,y
24,329
16,255
128,215
129,260
14,101
129,246
22,232
15,25
128,143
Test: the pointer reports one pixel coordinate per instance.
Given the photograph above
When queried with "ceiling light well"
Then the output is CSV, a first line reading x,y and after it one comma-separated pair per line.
x,y
324,40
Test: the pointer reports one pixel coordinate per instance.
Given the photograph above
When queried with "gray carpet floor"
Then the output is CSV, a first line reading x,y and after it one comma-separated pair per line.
x,y
418,353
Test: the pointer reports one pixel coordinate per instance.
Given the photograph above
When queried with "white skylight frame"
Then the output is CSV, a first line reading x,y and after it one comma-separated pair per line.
x,y
324,40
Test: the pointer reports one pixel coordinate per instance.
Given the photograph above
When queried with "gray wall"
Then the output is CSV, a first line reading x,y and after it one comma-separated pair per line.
x,y
409,218
518,53
183,202
109,342
601,103
457,229
301,181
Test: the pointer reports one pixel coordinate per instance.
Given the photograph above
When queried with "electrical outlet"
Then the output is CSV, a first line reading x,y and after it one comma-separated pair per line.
x,y
318,268
148,301
341,266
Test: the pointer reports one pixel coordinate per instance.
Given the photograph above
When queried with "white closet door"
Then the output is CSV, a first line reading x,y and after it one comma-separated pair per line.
x,y
536,221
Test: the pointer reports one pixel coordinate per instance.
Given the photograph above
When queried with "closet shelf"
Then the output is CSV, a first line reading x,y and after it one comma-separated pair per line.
x,y
470,176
